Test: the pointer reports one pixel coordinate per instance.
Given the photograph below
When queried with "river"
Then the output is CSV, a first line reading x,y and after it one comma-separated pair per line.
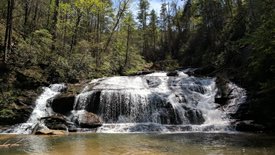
x,y
145,143
152,114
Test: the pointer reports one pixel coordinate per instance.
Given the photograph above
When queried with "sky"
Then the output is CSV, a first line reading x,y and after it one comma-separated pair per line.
x,y
154,4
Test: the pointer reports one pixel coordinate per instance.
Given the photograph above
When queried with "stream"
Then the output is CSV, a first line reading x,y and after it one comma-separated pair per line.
x,y
183,143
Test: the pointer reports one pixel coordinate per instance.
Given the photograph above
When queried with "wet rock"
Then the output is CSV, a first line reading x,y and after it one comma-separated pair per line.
x,y
94,100
221,100
224,91
194,116
248,126
87,119
197,88
63,103
152,81
222,85
56,122
3,128
173,73
50,132
188,71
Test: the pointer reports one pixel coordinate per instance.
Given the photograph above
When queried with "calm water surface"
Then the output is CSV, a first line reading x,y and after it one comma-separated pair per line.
x,y
184,143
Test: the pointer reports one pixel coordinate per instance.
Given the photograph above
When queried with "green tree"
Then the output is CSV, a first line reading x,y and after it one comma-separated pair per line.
x,y
142,18
9,27
153,35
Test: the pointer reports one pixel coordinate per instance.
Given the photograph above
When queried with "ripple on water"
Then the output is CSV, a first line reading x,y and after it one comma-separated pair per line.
x,y
184,143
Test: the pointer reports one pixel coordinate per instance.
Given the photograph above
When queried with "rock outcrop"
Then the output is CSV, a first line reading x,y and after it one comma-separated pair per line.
x,y
56,122
63,103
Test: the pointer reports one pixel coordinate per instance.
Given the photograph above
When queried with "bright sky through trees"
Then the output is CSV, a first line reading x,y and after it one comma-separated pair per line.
x,y
154,4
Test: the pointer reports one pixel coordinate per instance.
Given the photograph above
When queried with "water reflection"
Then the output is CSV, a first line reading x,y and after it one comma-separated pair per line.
x,y
37,144
191,143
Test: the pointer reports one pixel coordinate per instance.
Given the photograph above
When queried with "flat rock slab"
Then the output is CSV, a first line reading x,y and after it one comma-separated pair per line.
x,y
50,132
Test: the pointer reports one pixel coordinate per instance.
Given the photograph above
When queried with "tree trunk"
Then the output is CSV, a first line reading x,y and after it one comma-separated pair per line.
x,y
34,18
97,41
119,15
54,23
229,6
49,15
26,17
65,31
74,37
8,33
127,47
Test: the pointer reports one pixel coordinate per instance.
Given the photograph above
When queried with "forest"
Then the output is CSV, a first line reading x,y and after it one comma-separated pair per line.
x,y
52,41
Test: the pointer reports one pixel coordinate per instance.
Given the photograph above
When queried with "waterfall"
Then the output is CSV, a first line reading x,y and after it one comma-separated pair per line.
x,y
157,102
40,110
147,103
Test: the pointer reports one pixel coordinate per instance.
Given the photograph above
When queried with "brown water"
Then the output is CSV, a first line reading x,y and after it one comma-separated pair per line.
x,y
184,143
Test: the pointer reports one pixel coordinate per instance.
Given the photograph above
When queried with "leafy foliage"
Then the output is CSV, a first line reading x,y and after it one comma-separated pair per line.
x,y
74,40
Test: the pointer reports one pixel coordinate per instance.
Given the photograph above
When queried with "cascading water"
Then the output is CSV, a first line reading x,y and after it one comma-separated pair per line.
x,y
157,102
148,103
40,110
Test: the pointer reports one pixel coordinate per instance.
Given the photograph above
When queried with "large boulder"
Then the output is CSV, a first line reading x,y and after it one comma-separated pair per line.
x,y
63,103
56,122
86,119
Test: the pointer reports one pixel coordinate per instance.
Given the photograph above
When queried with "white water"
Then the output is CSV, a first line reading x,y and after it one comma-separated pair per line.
x,y
40,110
150,103
139,103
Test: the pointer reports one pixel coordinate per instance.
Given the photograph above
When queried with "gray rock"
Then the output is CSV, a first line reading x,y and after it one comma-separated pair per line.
x,y
86,119
56,122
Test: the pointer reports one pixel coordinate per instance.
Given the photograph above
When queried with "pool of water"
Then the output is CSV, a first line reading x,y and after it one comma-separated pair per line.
x,y
183,143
